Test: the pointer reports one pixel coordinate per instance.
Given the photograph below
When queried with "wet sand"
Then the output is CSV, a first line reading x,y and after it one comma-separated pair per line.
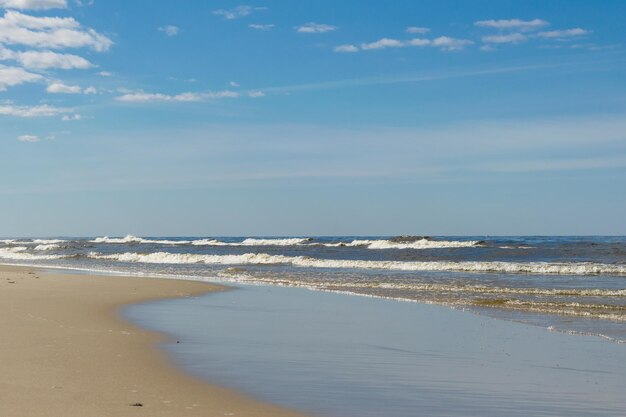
x,y
65,351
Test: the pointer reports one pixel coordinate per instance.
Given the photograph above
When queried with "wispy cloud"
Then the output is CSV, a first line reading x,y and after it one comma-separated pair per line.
x,y
188,97
169,30
444,43
43,110
142,97
346,48
28,138
416,30
60,88
45,59
451,44
564,34
313,27
237,12
256,94
11,76
401,79
508,38
515,24
33,4
382,44
71,117
257,26
49,32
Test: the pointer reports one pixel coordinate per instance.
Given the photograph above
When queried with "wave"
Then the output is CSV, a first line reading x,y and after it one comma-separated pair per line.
x,y
423,243
254,242
135,239
48,241
307,262
18,253
188,258
129,239
393,243
31,241
49,246
276,242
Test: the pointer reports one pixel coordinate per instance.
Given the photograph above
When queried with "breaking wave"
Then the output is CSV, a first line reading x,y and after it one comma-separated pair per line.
x,y
135,239
18,253
307,262
393,243
415,244
49,246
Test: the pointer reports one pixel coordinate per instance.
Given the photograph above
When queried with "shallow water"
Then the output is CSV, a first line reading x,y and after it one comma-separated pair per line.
x,y
342,356
573,284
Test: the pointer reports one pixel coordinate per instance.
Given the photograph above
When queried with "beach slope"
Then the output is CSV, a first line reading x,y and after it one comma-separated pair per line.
x,y
64,351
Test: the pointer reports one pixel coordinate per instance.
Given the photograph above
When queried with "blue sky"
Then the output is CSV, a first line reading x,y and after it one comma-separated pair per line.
x,y
312,117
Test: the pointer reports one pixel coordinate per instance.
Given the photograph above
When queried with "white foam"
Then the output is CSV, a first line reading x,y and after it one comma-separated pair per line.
x,y
209,242
253,242
188,258
417,244
50,246
135,239
48,241
275,242
18,253
307,262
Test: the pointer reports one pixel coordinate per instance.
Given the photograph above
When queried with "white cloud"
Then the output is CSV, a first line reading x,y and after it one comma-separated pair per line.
x,y
169,30
60,88
142,97
70,117
49,32
447,43
45,59
90,90
256,94
257,26
509,38
382,44
515,24
43,110
28,138
563,34
419,42
237,12
313,27
105,74
233,84
10,76
346,48
416,29
487,48
33,4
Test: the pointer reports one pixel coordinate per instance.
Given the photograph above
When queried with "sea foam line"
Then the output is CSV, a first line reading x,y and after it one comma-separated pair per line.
x,y
423,243
18,253
307,262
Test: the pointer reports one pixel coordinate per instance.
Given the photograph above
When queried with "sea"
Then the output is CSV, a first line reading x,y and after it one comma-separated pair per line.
x,y
571,284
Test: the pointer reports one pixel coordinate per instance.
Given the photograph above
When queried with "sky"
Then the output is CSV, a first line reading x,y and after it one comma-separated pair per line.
x,y
293,117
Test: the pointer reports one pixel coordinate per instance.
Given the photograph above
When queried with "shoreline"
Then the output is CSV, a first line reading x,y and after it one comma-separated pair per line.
x,y
66,350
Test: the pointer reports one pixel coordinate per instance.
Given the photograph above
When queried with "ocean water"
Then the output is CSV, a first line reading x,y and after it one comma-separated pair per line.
x,y
340,356
569,284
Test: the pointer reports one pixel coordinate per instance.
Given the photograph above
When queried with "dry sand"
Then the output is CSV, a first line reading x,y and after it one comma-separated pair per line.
x,y
65,352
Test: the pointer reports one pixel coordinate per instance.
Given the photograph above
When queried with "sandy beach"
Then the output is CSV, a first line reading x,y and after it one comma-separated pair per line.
x,y
64,351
